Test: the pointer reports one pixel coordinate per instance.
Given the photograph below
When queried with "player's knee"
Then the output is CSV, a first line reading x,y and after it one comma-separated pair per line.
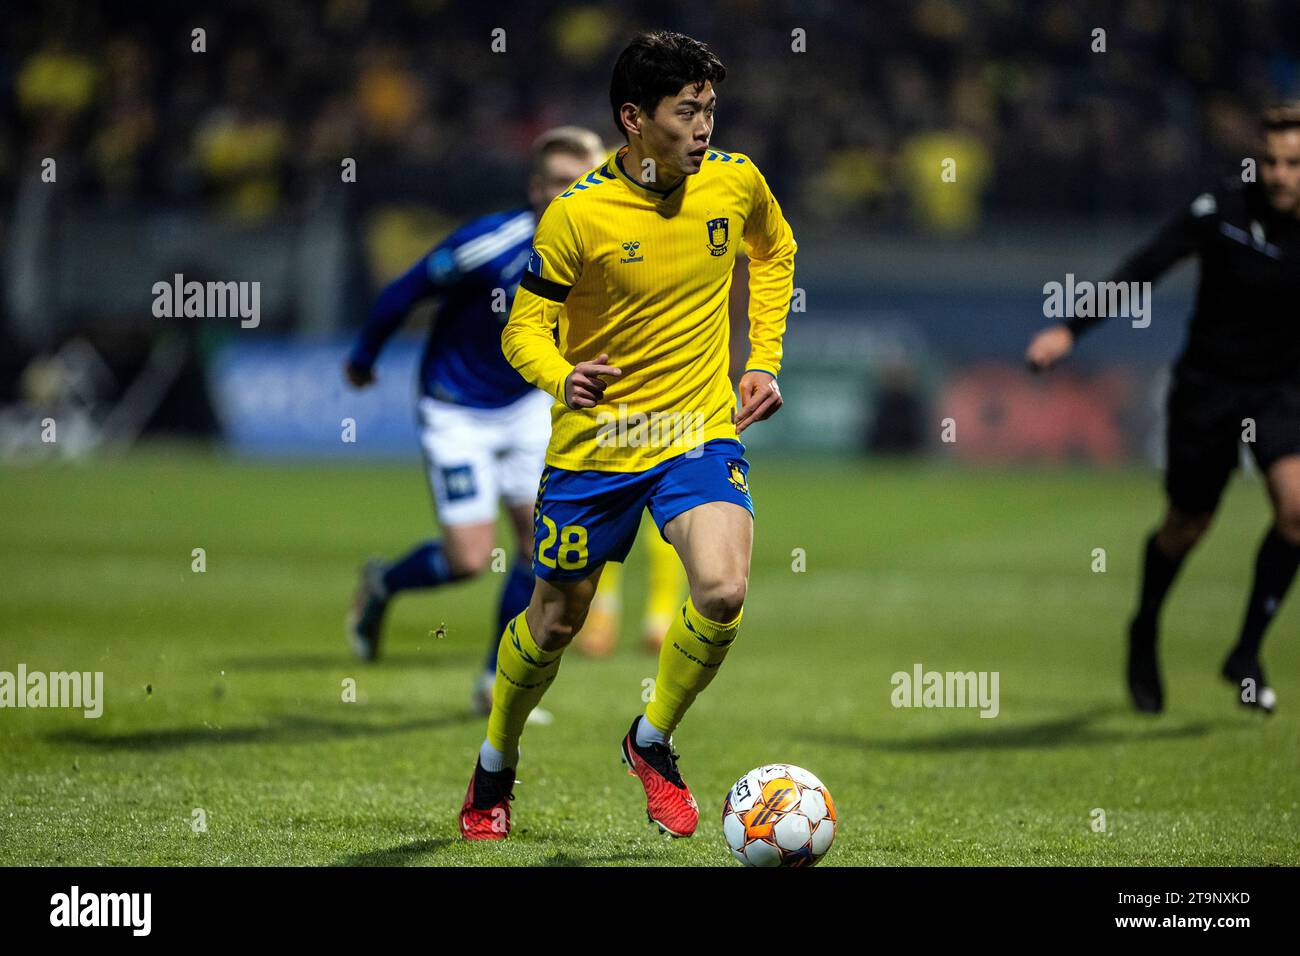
x,y
721,598
552,637
558,633
1182,530
1287,521
560,623
468,562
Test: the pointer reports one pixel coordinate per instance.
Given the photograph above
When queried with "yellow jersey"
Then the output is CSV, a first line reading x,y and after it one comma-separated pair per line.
x,y
643,276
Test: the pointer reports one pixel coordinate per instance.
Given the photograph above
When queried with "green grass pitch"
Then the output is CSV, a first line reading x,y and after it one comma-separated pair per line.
x,y
224,688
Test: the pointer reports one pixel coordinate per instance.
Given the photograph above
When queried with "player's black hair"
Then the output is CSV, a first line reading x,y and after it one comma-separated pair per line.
x,y
1283,116
655,65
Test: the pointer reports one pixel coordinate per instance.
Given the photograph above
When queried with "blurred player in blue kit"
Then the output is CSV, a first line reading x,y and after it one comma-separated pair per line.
x,y
483,429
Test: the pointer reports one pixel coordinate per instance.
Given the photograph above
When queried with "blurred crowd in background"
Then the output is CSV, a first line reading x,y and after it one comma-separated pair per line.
x,y
848,131
218,154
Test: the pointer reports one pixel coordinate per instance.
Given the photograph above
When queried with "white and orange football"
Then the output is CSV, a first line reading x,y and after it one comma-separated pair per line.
x,y
779,815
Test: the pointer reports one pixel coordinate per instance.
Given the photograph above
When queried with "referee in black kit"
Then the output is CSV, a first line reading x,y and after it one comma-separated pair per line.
x,y
1239,371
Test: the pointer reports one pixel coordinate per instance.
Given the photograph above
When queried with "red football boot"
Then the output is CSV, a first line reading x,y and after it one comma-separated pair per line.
x,y
485,814
669,803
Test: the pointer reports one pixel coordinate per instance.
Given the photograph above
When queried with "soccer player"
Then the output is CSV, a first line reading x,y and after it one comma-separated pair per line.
x,y
1239,372
483,428
633,265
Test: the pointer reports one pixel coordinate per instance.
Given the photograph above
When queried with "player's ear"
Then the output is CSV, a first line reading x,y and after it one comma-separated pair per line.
x,y
631,116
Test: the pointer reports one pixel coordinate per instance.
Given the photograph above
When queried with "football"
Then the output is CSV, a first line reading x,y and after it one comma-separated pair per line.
x,y
779,815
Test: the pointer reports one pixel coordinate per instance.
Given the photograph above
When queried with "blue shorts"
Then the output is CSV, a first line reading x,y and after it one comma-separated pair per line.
x,y
585,518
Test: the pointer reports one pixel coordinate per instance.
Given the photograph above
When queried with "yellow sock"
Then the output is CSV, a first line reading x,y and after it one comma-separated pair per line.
x,y
524,672
667,582
693,650
609,596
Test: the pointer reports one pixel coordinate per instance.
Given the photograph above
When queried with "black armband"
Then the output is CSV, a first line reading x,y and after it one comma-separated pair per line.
x,y
554,291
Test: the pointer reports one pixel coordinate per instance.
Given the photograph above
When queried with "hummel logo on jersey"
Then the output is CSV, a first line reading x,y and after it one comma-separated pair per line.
x,y
631,249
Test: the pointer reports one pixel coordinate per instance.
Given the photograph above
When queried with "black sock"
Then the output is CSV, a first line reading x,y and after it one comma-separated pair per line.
x,y
1275,567
1158,573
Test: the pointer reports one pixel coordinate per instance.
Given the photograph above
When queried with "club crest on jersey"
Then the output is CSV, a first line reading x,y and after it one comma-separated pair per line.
x,y
737,477
631,248
718,235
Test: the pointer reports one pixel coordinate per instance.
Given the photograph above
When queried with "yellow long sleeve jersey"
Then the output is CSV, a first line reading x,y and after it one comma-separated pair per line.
x,y
644,276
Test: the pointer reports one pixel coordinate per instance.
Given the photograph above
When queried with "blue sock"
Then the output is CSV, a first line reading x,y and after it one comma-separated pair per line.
x,y
515,595
426,566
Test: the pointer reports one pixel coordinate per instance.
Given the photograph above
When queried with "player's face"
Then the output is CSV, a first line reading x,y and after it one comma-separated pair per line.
x,y
1280,170
678,134
559,172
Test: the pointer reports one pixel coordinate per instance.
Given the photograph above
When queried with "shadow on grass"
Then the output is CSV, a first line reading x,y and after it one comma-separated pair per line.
x,y
1074,730
413,853
568,859
406,854
435,658
279,729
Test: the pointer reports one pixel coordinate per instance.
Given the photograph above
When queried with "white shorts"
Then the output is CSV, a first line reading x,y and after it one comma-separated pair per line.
x,y
476,457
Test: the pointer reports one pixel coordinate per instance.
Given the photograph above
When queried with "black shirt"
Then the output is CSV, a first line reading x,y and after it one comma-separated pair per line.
x,y
1246,323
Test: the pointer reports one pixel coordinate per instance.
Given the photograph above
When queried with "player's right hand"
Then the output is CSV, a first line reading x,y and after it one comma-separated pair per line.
x,y
1049,347
359,376
584,387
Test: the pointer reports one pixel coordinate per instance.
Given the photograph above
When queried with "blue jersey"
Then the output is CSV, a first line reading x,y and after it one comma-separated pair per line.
x,y
462,361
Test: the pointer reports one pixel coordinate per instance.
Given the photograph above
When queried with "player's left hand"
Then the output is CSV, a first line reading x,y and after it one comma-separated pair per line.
x,y
759,399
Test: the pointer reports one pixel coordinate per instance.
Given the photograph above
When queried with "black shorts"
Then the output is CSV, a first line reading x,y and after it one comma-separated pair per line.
x,y
1208,421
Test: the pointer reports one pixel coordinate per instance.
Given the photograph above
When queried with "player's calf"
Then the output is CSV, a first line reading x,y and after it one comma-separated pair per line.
x,y
369,604
1143,673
